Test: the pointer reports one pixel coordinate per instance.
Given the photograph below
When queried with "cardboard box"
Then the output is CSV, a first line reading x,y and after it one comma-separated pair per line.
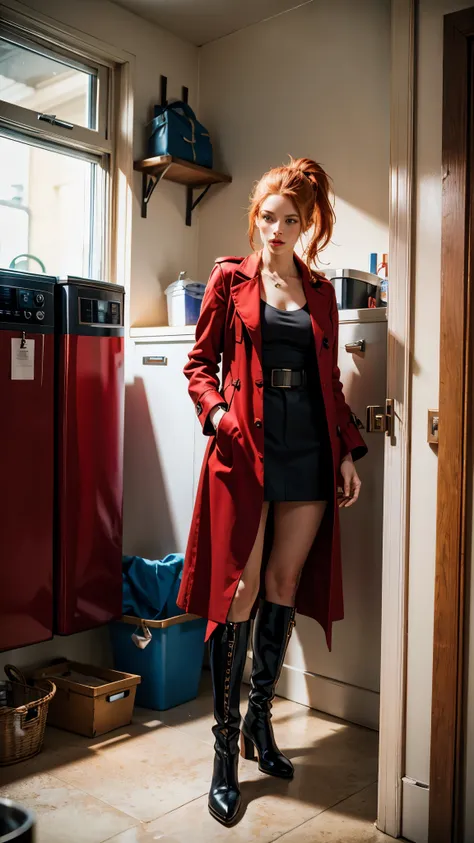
x,y
89,700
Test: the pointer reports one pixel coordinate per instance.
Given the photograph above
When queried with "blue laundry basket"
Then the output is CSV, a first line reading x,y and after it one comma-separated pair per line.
x,y
170,665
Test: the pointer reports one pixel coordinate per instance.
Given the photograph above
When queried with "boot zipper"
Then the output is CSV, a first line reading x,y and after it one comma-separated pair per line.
x,y
230,653
291,625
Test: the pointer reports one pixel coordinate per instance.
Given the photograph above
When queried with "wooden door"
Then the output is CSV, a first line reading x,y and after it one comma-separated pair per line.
x,y
455,433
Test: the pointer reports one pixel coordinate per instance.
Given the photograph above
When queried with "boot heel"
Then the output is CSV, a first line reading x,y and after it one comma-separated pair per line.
x,y
247,749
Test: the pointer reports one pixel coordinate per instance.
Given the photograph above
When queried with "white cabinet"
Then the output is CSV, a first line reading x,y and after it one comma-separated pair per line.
x,y
346,681
161,432
164,446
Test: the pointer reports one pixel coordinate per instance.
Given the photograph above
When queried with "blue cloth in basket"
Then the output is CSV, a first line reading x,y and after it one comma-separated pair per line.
x,y
150,587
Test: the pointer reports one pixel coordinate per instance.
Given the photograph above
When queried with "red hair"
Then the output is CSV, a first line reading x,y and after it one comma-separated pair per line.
x,y
307,185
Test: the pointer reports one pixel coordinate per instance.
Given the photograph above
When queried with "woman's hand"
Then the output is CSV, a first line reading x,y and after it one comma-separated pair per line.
x,y
352,482
216,414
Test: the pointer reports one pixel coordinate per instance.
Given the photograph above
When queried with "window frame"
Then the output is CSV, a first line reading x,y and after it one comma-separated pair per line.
x,y
27,118
93,145
98,223
118,197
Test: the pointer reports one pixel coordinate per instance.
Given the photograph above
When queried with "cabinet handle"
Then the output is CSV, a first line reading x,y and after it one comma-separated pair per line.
x,y
158,360
359,345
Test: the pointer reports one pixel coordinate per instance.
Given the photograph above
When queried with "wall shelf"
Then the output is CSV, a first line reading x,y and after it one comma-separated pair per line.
x,y
182,172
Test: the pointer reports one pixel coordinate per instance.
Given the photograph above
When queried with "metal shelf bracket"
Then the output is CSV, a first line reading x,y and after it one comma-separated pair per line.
x,y
190,205
149,183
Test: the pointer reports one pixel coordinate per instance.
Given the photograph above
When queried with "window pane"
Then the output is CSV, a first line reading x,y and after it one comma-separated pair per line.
x,y
47,86
48,204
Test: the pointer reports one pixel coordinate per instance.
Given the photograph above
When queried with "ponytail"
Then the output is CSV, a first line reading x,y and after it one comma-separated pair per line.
x,y
308,186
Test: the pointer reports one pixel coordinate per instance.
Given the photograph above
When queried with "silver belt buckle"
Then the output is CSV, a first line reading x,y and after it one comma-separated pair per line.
x,y
286,379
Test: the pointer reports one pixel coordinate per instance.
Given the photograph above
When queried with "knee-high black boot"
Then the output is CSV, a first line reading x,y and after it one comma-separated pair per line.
x,y
228,649
272,630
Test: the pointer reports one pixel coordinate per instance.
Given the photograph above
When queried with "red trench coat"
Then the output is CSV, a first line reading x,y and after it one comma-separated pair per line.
x,y
230,492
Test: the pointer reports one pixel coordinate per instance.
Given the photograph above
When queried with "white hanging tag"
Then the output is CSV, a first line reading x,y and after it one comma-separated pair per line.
x,y
23,360
141,638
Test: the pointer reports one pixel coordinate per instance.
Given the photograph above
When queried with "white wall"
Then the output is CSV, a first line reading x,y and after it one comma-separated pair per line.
x,y
314,83
162,244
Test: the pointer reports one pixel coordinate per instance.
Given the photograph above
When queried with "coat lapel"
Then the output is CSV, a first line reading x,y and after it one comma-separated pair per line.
x,y
246,293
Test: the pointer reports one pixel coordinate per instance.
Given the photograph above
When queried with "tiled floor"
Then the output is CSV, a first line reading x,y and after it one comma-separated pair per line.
x,y
149,782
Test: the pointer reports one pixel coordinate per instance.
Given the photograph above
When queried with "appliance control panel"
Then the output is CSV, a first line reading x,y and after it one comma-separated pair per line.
x,y
26,306
90,308
100,312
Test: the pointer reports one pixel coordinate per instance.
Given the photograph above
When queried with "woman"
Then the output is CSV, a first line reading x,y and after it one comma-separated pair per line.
x,y
279,432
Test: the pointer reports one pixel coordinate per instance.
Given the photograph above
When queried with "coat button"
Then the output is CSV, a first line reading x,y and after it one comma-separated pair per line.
x,y
198,408
258,422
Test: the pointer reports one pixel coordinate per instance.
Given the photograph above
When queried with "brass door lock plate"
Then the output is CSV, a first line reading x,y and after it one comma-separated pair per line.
x,y
433,425
380,419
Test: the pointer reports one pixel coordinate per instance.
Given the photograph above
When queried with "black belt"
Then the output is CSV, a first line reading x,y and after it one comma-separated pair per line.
x,y
286,378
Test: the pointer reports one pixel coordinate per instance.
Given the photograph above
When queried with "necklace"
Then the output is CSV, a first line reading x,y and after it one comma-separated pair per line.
x,y
271,275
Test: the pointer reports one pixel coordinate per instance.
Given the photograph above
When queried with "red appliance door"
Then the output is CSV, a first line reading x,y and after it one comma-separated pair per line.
x,y
26,495
90,482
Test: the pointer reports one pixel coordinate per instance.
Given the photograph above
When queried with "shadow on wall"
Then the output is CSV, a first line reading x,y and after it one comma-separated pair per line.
x,y
91,647
330,101
148,523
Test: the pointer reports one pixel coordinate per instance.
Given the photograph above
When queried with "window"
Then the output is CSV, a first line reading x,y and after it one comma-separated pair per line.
x,y
56,150
50,210
37,82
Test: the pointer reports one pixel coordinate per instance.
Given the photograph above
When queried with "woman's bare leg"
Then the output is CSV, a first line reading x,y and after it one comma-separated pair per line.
x,y
249,585
296,525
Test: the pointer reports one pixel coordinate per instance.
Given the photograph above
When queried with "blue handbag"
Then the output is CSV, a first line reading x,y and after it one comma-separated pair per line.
x,y
176,131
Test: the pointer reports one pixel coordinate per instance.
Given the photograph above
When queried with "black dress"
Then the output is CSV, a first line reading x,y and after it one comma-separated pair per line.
x,y
297,457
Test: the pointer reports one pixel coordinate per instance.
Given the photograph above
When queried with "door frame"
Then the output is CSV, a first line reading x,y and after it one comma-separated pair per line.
x,y
397,446
450,615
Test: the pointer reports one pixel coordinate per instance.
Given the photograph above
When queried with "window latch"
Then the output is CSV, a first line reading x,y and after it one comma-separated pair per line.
x,y
51,118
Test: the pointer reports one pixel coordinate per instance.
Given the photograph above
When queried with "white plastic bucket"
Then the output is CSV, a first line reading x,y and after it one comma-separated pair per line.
x,y
184,299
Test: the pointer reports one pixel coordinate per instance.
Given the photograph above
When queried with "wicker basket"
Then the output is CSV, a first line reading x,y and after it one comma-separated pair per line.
x,y
23,713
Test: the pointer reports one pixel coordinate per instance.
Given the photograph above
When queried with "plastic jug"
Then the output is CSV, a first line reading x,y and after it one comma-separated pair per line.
x,y
184,299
